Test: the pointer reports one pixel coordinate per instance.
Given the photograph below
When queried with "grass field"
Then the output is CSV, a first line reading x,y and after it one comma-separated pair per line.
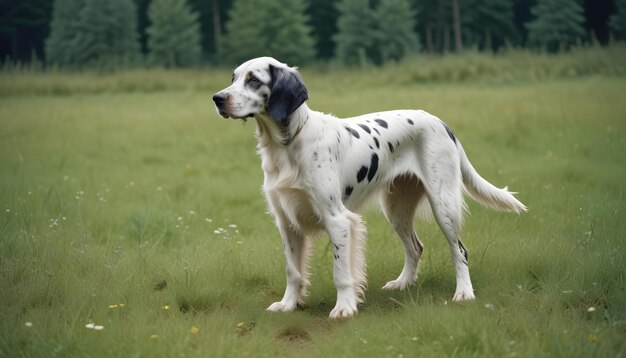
x,y
141,212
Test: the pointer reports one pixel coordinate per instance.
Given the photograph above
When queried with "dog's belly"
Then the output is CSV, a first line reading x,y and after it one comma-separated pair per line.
x,y
296,206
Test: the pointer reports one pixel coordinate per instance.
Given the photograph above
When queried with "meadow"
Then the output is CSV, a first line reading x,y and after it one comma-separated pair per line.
x,y
132,222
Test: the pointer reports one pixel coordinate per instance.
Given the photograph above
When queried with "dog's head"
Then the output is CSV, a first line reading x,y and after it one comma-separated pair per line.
x,y
262,86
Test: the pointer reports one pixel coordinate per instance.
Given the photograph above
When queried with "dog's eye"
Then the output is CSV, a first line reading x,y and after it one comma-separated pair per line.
x,y
254,81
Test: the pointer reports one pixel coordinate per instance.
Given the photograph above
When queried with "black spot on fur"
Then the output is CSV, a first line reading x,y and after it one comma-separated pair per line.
x,y
347,191
365,128
376,142
391,149
421,247
381,123
463,252
449,132
376,130
314,156
373,167
418,247
409,121
353,132
362,173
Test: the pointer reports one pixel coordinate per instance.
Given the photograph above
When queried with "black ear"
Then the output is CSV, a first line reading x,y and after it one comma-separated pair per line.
x,y
288,93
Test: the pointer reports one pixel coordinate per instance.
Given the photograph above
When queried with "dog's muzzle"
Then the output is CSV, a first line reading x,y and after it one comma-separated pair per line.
x,y
220,100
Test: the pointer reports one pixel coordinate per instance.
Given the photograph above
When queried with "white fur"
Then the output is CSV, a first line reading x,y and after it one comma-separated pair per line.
x,y
310,163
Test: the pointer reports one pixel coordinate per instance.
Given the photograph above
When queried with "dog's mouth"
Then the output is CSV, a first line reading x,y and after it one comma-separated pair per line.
x,y
229,115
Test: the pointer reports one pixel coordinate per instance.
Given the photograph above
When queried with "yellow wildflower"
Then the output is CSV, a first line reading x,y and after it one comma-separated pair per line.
x,y
194,330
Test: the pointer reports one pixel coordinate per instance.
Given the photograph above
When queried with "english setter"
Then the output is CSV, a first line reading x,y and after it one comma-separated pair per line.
x,y
320,170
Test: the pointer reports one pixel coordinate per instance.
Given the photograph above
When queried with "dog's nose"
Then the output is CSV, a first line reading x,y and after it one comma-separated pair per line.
x,y
219,99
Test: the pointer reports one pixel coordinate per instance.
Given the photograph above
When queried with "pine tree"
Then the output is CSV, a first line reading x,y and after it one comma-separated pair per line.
x,y
324,16
93,33
174,34
287,32
60,46
108,33
356,32
431,15
558,24
396,24
277,28
618,21
244,38
489,24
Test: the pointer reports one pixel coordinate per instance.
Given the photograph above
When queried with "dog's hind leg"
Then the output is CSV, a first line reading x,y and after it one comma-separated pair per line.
x,y
296,251
444,189
399,205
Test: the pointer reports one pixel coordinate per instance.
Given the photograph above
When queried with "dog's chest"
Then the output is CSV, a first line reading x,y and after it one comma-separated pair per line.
x,y
286,191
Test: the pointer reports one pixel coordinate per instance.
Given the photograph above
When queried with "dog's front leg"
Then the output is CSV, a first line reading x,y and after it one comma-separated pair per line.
x,y
339,227
294,247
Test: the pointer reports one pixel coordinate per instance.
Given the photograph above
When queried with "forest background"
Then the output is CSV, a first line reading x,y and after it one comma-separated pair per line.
x,y
183,33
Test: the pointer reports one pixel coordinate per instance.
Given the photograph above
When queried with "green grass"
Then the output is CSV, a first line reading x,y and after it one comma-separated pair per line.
x,y
114,197
509,67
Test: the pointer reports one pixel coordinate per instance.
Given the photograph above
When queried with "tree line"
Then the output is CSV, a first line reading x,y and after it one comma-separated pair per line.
x,y
180,33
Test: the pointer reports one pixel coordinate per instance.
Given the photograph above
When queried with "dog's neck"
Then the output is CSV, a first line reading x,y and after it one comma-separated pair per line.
x,y
271,133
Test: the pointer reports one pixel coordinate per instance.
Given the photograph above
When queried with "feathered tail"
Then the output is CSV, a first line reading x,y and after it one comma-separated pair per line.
x,y
483,191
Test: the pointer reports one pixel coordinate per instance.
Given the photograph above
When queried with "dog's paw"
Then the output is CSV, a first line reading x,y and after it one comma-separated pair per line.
x,y
343,312
397,285
281,307
345,307
466,295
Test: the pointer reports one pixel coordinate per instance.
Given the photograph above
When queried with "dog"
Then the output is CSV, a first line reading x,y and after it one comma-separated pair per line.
x,y
320,170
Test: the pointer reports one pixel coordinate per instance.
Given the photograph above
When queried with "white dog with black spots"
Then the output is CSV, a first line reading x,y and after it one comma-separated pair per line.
x,y
320,170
